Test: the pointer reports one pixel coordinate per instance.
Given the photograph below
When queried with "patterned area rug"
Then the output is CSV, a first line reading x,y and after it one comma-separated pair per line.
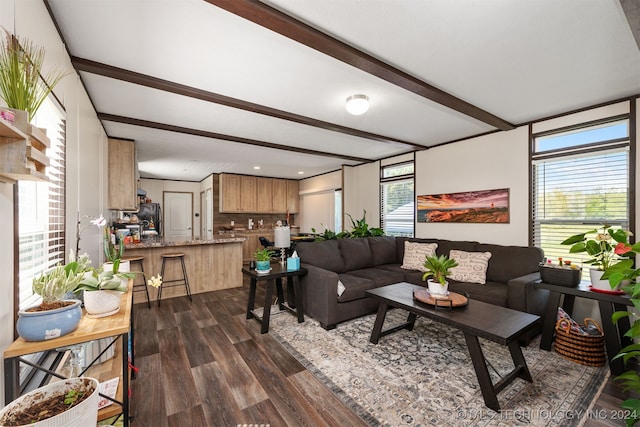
x,y
425,377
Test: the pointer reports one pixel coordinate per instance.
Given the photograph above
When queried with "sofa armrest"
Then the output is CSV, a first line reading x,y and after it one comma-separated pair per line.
x,y
319,289
522,294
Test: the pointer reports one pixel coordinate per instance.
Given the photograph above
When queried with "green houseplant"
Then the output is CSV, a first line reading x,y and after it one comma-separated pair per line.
x,y
438,267
263,258
21,74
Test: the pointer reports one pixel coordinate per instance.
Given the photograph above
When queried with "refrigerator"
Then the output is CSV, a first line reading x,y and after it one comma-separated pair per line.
x,y
150,213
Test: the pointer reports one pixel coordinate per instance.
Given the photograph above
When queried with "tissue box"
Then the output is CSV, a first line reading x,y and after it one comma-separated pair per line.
x,y
293,263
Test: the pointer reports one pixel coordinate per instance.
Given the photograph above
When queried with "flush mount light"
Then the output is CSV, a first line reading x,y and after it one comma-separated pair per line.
x,y
256,167
357,104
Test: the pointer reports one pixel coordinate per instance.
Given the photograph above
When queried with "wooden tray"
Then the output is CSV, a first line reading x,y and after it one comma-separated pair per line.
x,y
452,300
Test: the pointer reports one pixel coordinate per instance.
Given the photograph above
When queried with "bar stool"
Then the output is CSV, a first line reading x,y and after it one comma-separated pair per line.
x,y
139,260
182,281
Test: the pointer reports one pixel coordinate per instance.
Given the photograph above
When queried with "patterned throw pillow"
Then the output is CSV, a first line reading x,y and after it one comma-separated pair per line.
x,y
415,254
472,266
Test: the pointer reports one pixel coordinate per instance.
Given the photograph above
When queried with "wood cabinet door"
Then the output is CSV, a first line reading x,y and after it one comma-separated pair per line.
x,y
248,193
265,195
121,157
279,196
230,193
293,196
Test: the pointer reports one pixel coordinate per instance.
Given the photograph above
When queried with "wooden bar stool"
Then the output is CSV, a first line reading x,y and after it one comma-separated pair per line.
x,y
175,282
136,287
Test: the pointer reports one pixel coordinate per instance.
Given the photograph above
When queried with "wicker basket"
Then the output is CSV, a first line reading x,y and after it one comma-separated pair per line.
x,y
583,349
560,276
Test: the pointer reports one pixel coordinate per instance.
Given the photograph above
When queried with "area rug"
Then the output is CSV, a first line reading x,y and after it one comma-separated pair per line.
x,y
425,376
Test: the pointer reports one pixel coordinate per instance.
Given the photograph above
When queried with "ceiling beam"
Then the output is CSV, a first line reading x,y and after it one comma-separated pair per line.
x,y
283,24
214,135
89,66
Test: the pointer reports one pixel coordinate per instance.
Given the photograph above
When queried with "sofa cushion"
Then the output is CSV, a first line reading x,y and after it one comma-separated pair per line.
x,y
508,262
472,266
445,246
492,292
355,253
383,250
400,245
379,276
324,254
415,254
354,287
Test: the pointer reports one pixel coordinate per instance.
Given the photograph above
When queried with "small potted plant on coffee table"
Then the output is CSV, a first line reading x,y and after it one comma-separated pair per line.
x,y
263,260
439,268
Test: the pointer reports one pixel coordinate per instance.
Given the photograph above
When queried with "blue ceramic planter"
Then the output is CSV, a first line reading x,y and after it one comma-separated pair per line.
x,y
263,265
46,325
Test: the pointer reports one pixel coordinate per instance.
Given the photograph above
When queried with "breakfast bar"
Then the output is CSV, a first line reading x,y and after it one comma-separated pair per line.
x,y
210,264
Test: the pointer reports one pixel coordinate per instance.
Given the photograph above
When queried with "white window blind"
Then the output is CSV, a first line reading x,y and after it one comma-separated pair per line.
x,y
41,209
397,199
580,187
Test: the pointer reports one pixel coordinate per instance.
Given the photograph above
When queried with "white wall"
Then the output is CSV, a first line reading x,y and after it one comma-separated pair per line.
x,y
86,149
361,193
317,208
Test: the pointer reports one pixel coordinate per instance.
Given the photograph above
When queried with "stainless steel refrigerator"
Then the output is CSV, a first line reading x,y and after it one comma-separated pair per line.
x,y
148,214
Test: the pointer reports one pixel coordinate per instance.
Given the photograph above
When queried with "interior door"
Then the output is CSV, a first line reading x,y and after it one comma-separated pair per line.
x,y
178,216
209,210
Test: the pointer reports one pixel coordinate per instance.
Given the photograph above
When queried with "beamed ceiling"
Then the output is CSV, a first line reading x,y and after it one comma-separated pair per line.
x,y
210,86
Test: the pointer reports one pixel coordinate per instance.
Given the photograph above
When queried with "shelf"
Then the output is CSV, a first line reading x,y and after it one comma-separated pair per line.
x,y
23,153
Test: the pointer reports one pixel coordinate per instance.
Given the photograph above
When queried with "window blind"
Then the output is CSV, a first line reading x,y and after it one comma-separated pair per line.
x,y
397,199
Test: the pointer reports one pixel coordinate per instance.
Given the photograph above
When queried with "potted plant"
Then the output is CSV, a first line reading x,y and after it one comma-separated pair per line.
x,y
263,259
439,268
69,402
54,316
23,83
603,248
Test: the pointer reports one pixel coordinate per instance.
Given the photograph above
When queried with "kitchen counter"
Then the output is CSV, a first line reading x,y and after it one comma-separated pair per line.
x,y
211,264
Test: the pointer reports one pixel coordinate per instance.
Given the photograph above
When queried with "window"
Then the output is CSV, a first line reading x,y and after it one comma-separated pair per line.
x,y
580,181
397,199
41,209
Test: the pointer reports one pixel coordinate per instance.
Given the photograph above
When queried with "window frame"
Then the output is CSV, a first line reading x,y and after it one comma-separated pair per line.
x,y
394,179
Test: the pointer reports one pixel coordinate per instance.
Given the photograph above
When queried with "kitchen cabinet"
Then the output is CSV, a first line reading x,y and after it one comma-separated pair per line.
x,y
237,193
252,243
293,196
22,153
123,187
279,198
265,195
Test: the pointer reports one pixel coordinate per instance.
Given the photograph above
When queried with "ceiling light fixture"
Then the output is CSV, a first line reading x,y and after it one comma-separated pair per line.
x,y
357,104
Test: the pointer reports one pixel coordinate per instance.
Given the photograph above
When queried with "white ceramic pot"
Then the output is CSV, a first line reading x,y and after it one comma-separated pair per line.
x,y
82,415
438,290
597,282
102,303
124,267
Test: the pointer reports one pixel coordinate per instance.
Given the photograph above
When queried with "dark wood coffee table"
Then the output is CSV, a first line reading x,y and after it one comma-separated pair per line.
x,y
475,320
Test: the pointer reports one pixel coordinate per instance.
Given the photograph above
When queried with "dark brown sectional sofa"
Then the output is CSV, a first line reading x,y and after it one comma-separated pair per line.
x,y
365,263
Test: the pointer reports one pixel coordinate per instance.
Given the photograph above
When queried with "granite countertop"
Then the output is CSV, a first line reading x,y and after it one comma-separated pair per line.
x,y
161,243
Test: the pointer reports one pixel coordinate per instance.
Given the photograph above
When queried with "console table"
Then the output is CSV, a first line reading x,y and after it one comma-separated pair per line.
x,y
117,326
607,303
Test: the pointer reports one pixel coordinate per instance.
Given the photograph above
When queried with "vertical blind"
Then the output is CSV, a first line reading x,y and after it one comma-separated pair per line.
x,y
397,196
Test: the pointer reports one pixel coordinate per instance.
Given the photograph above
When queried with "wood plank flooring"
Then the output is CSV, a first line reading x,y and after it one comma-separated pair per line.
x,y
202,363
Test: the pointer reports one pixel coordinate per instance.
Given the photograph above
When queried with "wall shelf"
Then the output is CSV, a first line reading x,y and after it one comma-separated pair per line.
x,y
23,153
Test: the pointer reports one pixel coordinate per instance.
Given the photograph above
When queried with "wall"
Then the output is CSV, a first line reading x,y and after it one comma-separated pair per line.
x,y
317,195
361,194
86,149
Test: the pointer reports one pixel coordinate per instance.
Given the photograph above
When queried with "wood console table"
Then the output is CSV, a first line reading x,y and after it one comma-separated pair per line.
x,y
614,338
119,325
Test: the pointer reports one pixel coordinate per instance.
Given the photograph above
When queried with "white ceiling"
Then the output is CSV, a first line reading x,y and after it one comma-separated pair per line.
x,y
518,60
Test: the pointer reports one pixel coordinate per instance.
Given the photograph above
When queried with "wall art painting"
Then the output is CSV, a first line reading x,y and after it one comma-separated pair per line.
x,y
487,206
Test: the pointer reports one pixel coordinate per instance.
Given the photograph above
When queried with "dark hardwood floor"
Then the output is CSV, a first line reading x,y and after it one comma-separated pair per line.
x,y
202,363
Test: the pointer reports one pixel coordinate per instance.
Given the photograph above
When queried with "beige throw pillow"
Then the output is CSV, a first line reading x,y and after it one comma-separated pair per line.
x,y
415,254
472,266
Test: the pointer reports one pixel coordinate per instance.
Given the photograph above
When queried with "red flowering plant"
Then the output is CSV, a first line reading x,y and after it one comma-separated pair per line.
x,y
605,248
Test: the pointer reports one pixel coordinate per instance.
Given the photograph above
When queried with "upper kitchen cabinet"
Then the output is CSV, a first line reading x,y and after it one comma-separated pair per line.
x,y
237,193
293,196
122,175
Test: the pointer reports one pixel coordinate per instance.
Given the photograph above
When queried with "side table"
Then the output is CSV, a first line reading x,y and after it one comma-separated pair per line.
x,y
614,338
274,277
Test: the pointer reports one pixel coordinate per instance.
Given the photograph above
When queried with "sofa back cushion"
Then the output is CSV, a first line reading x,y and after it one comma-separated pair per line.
x,y
325,254
445,246
508,262
383,250
356,254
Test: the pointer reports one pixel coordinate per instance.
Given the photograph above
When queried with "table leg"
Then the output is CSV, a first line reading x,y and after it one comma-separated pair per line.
x,y
519,362
252,298
377,326
411,321
549,324
125,380
11,379
482,373
611,337
623,325
298,298
568,303
266,311
280,293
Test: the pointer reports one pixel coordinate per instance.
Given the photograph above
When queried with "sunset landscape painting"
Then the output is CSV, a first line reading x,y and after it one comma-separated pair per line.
x,y
487,206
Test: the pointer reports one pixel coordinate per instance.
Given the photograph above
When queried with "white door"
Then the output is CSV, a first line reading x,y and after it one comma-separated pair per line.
x,y
178,216
203,216
209,209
